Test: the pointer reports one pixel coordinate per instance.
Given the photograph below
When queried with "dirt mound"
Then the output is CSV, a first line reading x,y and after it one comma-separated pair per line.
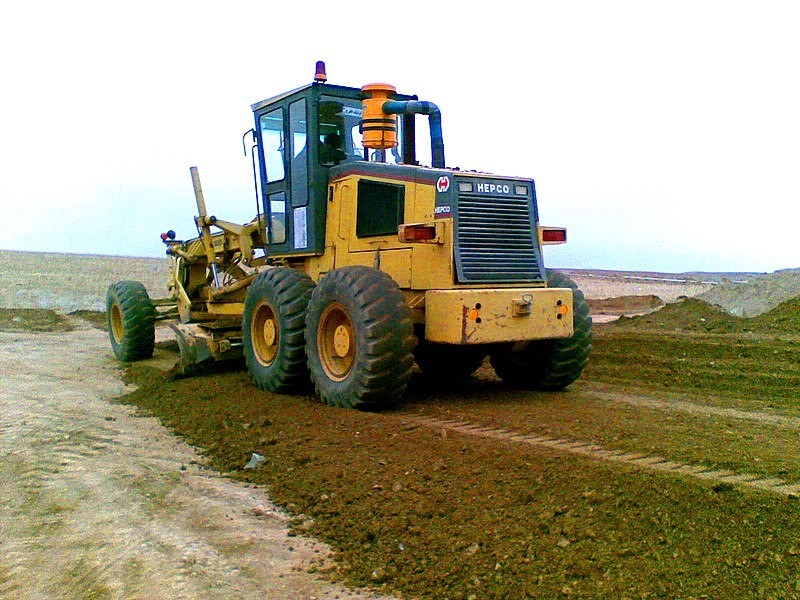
x,y
686,315
756,296
785,317
624,305
696,315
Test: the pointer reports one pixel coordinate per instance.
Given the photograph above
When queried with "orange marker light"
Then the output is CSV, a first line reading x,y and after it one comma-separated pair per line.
x,y
563,310
416,233
473,314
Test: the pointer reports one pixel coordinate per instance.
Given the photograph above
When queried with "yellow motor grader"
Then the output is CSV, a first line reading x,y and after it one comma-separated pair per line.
x,y
362,262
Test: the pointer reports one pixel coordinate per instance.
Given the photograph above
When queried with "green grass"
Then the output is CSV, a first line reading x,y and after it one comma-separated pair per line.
x,y
32,319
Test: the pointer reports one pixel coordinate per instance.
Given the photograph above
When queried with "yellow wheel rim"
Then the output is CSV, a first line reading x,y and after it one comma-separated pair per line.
x,y
336,342
117,327
264,334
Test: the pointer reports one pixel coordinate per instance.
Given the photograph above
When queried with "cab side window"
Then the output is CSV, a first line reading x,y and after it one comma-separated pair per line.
x,y
277,217
299,175
273,144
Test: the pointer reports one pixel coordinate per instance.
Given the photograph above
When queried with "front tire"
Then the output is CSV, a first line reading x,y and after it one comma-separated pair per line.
x,y
131,318
273,329
359,339
549,365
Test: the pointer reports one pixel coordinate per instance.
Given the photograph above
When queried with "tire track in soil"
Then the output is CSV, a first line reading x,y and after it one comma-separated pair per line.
x,y
682,404
97,501
649,462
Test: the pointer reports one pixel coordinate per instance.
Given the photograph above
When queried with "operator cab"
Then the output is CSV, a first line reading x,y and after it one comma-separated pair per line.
x,y
300,135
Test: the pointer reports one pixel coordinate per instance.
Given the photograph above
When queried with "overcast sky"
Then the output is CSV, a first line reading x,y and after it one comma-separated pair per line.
x,y
665,136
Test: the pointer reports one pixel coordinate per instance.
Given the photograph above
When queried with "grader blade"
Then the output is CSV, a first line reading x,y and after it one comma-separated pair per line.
x,y
203,344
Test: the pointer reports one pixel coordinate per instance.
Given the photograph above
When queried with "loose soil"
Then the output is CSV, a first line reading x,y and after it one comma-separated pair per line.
x,y
665,471
30,319
670,469
411,502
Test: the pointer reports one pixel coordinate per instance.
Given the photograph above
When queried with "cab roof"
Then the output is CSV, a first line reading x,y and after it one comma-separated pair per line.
x,y
324,88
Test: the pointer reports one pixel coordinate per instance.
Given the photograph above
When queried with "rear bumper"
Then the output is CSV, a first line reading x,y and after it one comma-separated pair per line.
x,y
484,316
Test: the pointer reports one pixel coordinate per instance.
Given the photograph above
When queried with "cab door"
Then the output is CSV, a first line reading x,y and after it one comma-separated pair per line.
x,y
274,180
285,160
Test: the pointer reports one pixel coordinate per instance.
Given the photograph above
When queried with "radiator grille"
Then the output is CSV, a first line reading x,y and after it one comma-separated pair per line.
x,y
496,239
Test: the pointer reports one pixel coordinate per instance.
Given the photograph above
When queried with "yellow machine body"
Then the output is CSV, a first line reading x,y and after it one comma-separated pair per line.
x,y
487,316
451,313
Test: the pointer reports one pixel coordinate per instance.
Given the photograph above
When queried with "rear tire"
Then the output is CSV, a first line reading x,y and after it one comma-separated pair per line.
x,y
273,329
549,365
131,319
359,339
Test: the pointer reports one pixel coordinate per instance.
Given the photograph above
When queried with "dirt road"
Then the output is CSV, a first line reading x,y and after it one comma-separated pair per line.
x,y
97,502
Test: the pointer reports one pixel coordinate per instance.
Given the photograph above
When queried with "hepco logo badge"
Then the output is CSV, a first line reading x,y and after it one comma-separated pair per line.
x,y
443,183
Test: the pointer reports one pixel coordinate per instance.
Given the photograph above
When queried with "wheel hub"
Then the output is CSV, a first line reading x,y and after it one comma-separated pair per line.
x,y
341,341
270,334
264,333
335,342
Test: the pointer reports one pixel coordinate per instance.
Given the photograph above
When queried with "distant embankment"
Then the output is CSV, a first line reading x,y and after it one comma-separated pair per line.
x,y
756,296
741,294
69,282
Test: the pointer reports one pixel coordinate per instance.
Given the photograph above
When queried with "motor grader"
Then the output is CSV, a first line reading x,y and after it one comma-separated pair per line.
x,y
361,262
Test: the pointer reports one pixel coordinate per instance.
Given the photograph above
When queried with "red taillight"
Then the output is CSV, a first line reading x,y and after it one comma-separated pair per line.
x,y
554,235
417,233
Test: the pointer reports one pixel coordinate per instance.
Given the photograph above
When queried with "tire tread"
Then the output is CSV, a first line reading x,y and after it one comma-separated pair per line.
x,y
289,291
138,320
383,326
